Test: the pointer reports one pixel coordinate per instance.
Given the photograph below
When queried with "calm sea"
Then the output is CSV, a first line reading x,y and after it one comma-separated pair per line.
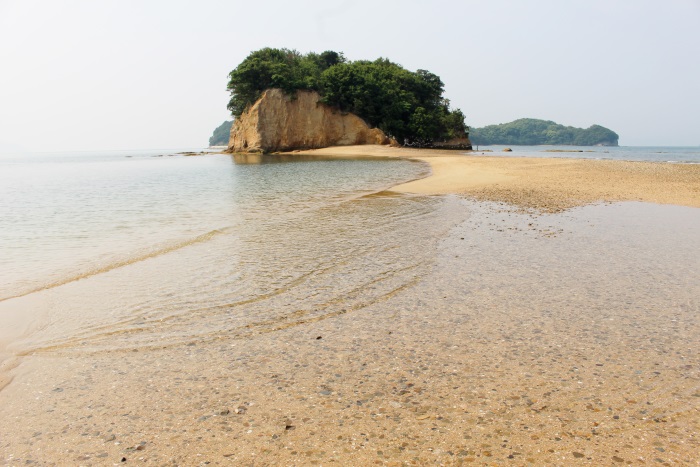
x,y
214,231
67,216
623,153
169,238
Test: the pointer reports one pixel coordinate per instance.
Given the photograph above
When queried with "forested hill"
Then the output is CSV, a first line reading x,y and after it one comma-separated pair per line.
x,y
530,131
408,106
221,134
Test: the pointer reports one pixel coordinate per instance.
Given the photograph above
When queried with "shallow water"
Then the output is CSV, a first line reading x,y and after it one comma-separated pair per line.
x,y
674,154
66,216
353,325
114,252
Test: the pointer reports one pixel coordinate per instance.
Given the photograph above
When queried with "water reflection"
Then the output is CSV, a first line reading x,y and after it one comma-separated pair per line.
x,y
244,159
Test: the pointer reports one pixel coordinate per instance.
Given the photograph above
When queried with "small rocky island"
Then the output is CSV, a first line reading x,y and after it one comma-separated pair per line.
x,y
282,100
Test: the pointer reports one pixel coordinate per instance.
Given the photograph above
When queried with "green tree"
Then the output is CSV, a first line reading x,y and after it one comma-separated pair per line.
x,y
406,105
453,125
264,69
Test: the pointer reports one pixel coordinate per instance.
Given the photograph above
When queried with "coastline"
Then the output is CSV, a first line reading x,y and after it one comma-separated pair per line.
x,y
540,183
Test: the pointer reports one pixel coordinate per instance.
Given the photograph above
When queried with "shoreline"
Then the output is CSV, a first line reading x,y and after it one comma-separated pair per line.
x,y
544,184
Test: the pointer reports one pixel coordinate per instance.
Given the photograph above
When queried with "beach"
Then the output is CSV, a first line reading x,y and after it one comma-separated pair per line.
x,y
493,311
542,183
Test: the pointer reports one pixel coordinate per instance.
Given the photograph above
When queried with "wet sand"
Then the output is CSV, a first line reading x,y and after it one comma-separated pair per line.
x,y
533,338
544,184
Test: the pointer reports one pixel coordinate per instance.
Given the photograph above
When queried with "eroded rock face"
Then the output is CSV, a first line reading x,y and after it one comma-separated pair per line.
x,y
280,122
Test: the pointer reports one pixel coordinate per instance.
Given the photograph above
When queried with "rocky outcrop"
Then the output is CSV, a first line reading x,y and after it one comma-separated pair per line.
x,y
460,144
280,122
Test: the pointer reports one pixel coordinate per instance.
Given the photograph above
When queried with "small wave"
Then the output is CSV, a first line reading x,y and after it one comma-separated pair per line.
x,y
118,263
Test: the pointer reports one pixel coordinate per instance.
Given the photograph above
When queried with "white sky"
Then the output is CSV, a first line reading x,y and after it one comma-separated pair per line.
x,y
81,75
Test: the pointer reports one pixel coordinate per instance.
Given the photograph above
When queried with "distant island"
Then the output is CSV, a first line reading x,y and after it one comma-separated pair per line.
x,y
284,100
530,132
221,134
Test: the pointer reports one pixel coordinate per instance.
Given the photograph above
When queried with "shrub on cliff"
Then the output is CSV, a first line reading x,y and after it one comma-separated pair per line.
x,y
405,105
276,68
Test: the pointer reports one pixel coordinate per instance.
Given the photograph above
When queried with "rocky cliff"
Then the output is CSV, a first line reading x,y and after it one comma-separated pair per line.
x,y
280,122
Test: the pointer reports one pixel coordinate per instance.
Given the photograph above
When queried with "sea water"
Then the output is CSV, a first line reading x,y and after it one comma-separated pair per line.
x,y
65,216
208,233
673,154
212,239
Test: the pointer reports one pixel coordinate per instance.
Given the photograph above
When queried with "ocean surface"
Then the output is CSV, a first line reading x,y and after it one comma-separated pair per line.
x,y
282,310
623,153
67,216
198,235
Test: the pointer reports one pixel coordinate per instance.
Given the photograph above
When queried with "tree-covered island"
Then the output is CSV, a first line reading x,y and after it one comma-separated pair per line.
x,y
407,106
221,134
531,132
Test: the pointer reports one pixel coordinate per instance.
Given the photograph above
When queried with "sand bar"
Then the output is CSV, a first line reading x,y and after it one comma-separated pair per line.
x,y
544,184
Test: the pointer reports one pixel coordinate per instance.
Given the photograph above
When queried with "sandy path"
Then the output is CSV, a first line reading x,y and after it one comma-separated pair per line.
x,y
545,184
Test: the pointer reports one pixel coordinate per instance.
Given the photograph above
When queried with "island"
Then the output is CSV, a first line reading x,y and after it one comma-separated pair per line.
x,y
532,132
221,134
283,100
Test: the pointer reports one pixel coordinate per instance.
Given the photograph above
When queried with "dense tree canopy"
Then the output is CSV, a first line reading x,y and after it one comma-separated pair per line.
x,y
406,105
221,134
530,131
276,68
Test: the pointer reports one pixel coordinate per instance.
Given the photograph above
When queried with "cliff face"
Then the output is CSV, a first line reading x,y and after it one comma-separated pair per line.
x,y
279,122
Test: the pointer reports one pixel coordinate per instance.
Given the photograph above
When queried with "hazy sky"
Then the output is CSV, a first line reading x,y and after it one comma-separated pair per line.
x,y
81,75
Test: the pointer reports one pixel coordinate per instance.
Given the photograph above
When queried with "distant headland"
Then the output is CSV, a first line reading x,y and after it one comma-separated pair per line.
x,y
531,132
221,134
283,100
